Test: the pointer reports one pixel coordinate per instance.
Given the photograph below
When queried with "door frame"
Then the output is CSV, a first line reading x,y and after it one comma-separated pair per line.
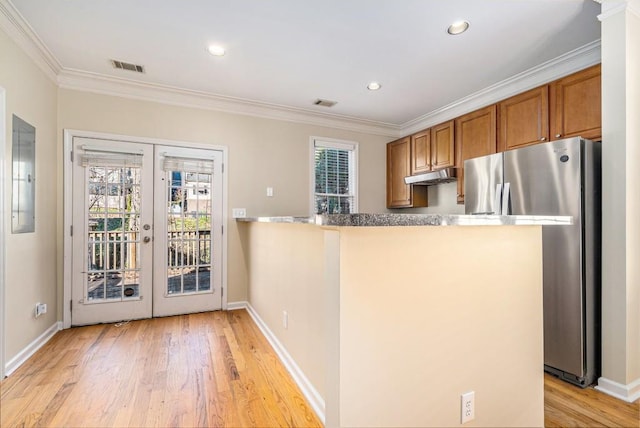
x,y
3,217
69,135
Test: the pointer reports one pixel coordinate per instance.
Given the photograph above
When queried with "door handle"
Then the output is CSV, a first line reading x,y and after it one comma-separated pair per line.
x,y
497,200
506,194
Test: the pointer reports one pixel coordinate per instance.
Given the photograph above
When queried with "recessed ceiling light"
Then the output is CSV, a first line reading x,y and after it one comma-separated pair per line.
x,y
374,86
216,50
458,27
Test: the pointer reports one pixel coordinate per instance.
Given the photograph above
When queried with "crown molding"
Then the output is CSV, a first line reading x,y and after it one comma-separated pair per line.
x,y
17,28
546,72
12,22
613,7
563,65
108,85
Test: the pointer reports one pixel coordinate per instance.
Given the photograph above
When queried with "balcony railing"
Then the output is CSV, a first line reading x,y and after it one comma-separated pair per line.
x,y
113,250
189,248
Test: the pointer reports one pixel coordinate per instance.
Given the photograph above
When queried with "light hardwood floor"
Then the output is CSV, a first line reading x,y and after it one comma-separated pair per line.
x,y
566,405
210,369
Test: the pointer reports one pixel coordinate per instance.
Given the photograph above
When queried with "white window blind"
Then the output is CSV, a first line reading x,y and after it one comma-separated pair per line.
x,y
110,159
334,177
174,163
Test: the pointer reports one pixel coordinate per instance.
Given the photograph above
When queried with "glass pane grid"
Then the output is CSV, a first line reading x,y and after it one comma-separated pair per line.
x,y
188,232
113,217
334,190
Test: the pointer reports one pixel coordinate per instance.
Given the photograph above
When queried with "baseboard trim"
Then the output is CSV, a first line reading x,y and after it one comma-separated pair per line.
x,y
234,306
310,393
628,393
31,349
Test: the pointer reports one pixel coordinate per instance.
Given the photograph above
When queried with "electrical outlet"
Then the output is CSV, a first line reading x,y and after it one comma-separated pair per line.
x,y
41,308
239,212
285,319
467,407
270,192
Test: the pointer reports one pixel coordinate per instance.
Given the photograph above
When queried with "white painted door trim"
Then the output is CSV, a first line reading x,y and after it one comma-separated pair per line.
x,y
69,135
3,223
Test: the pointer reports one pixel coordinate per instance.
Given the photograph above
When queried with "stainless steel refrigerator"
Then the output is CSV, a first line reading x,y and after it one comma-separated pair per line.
x,y
556,178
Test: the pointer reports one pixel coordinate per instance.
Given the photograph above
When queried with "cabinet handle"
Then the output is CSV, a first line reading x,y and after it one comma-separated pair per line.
x,y
558,135
543,138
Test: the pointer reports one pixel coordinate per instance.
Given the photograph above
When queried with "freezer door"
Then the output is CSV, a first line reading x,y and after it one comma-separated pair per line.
x,y
545,179
483,184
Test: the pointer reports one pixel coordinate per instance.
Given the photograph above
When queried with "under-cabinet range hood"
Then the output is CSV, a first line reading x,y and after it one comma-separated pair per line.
x,y
431,178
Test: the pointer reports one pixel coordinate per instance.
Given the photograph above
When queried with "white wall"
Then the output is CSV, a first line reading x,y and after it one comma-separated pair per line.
x,y
621,201
286,273
262,152
31,258
421,324
633,195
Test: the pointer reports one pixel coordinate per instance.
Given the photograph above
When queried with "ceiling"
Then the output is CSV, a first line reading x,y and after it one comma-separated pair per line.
x,y
292,52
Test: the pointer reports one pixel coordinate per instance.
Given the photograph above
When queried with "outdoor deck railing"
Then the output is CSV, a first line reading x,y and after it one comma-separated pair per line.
x,y
188,248
117,249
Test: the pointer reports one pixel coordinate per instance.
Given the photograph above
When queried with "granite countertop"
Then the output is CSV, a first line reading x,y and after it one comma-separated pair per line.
x,y
416,220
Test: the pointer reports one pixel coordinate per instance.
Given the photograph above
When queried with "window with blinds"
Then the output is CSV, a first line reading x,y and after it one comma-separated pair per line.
x,y
335,189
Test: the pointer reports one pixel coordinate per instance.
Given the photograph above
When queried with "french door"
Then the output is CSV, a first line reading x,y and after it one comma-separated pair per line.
x,y
146,231
188,211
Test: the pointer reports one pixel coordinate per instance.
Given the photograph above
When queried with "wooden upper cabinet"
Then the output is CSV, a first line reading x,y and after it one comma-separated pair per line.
x,y
433,148
576,105
421,152
399,194
475,136
568,107
524,119
442,146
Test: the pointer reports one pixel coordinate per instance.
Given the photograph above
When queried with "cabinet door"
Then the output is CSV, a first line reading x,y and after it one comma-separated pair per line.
x,y
421,152
400,195
576,105
524,119
442,146
475,136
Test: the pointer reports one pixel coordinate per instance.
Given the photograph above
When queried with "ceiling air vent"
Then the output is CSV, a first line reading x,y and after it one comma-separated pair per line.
x,y
127,66
325,103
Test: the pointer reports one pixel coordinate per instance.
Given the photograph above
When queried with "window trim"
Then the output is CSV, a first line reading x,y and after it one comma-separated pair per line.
x,y
336,144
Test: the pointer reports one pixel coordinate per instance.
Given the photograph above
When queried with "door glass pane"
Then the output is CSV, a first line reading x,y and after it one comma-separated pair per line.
x,y
131,288
204,278
113,225
188,232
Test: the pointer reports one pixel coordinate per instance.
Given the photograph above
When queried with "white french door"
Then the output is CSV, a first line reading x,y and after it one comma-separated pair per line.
x,y
146,231
188,210
112,218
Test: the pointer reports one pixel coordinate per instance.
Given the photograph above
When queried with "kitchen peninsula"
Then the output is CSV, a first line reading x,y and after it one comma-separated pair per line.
x,y
386,319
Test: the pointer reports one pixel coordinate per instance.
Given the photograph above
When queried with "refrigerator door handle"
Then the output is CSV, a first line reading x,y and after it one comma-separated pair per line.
x,y
497,201
506,194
